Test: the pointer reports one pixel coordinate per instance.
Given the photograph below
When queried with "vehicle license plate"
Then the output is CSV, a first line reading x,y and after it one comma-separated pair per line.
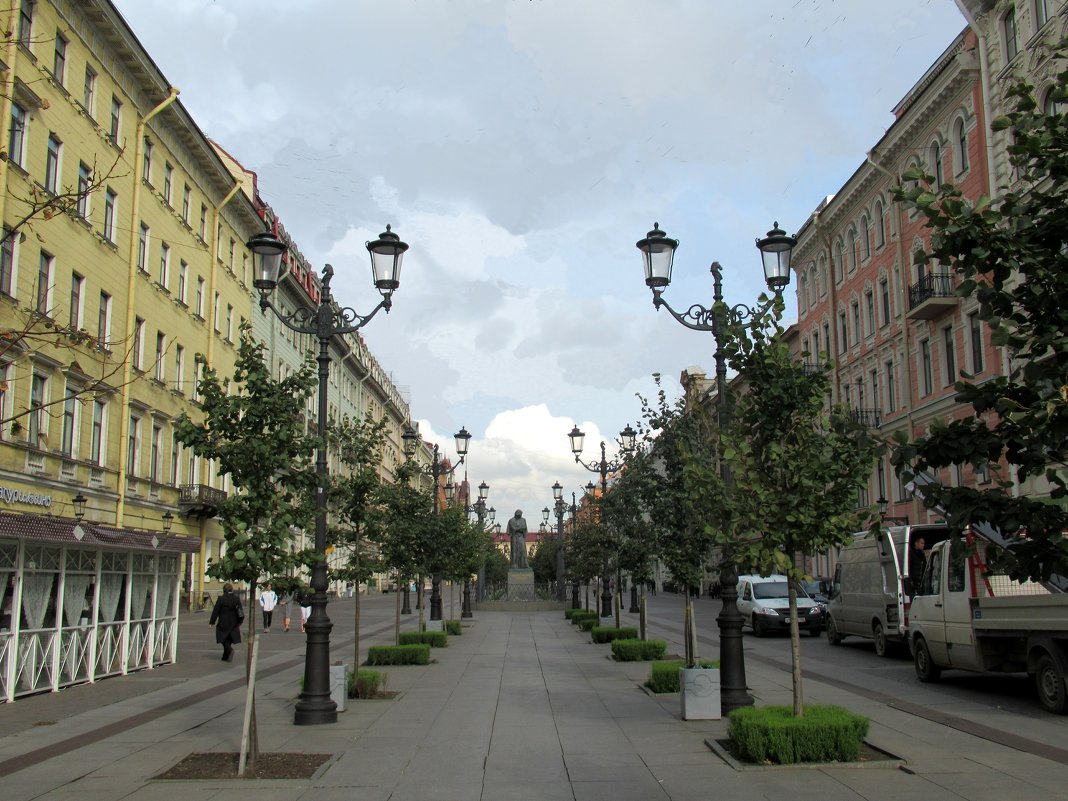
x,y
788,621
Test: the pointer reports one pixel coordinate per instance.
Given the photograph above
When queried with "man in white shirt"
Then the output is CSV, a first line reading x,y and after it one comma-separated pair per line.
x,y
268,600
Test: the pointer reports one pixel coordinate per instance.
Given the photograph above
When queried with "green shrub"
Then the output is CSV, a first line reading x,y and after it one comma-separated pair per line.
x,y
578,615
398,655
610,633
586,623
631,650
365,683
453,627
664,676
773,734
435,639
570,614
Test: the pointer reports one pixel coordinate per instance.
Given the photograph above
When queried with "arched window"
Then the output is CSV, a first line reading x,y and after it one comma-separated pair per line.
x,y
1050,106
813,284
821,275
865,237
880,225
839,262
936,165
1011,34
852,249
960,149
802,293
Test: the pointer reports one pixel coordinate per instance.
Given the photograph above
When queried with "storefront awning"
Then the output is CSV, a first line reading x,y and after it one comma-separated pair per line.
x,y
70,531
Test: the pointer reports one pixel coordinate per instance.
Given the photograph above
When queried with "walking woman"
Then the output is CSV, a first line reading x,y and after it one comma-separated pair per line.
x,y
227,617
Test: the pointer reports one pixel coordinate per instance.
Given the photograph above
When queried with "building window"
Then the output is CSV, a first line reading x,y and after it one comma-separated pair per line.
x,y
982,473
185,204
229,323
59,60
132,445
880,225
1011,34
200,298
852,250
975,335
161,352
77,283
869,308
844,344
36,423
168,181
44,283
198,374
215,313
142,248
156,454
960,135
891,399
936,165
146,163
179,368
839,262
244,269
89,90
950,354
85,185
7,263
116,120
203,222
51,176
176,455
16,145
865,237
70,406
827,339
857,333
138,343
110,201
925,367
25,22
183,277
884,296
164,264
98,441
1041,13
103,322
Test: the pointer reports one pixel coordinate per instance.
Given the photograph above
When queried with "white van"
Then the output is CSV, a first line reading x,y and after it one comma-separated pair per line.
x,y
870,591
764,603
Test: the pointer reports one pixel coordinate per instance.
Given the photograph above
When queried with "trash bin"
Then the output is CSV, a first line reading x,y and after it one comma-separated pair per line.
x,y
339,685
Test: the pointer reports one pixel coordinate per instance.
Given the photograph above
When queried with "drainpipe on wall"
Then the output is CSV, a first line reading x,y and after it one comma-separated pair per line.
x,y
131,291
8,96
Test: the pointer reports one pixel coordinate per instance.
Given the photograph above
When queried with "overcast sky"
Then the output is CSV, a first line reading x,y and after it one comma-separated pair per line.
x,y
521,148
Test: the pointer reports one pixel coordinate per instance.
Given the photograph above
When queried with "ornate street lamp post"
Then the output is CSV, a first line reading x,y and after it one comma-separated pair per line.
x,y
626,443
479,508
658,253
559,507
436,469
325,321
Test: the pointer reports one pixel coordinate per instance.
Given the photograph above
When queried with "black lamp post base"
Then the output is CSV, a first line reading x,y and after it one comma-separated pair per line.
x,y
315,713
466,605
435,598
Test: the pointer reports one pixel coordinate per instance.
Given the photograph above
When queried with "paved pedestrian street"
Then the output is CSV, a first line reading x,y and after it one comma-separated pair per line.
x,y
521,707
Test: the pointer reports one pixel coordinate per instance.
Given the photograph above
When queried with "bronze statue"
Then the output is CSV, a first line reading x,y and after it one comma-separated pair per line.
x,y
517,531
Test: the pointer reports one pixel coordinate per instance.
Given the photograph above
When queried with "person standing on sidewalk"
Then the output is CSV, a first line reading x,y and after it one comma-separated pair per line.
x,y
227,616
268,601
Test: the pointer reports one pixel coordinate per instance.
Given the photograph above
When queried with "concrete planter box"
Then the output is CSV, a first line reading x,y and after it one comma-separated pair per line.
x,y
435,625
339,685
699,693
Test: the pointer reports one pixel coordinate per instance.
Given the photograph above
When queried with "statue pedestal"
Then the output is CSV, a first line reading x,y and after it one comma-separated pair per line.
x,y
520,577
521,595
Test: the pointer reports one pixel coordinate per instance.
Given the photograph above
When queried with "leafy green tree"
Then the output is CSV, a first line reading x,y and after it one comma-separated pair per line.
x,y
354,500
1009,255
497,565
404,527
637,546
675,476
801,466
584,551
543,559
253,432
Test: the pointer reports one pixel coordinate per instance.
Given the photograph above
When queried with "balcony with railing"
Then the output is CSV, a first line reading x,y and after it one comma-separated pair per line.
x,y
932,296
199,500
870,418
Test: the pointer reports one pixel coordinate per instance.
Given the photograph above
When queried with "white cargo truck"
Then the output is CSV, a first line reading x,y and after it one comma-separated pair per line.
x,y
869,594
966,617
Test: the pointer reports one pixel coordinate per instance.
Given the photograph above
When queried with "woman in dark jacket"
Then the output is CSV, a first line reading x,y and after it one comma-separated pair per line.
x,y
226,617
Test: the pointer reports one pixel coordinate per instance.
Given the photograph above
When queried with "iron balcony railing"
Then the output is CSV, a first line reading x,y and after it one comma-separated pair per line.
x,y
933,285
870,418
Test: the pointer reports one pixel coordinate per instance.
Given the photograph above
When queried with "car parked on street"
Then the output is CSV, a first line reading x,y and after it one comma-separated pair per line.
x,y
764,602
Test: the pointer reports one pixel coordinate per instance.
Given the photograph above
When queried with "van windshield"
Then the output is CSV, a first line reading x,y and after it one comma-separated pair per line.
x,y
771,589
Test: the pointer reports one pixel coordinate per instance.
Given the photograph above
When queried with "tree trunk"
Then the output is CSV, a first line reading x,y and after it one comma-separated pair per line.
x,y
252,620
641,611
396,626
687,623
795,653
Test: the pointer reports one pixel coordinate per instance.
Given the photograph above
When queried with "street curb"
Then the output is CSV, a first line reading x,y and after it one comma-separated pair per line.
x,y
892,761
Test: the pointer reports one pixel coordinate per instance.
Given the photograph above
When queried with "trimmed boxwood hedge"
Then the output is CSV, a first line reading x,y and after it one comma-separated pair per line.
x,y
365,683
664,676
578,615
398,655
453,627
571,614
586,623
631,650
773,734
610,633
435,639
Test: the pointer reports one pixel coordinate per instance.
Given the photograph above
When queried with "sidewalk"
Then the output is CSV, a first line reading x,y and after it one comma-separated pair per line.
x,y
522,706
